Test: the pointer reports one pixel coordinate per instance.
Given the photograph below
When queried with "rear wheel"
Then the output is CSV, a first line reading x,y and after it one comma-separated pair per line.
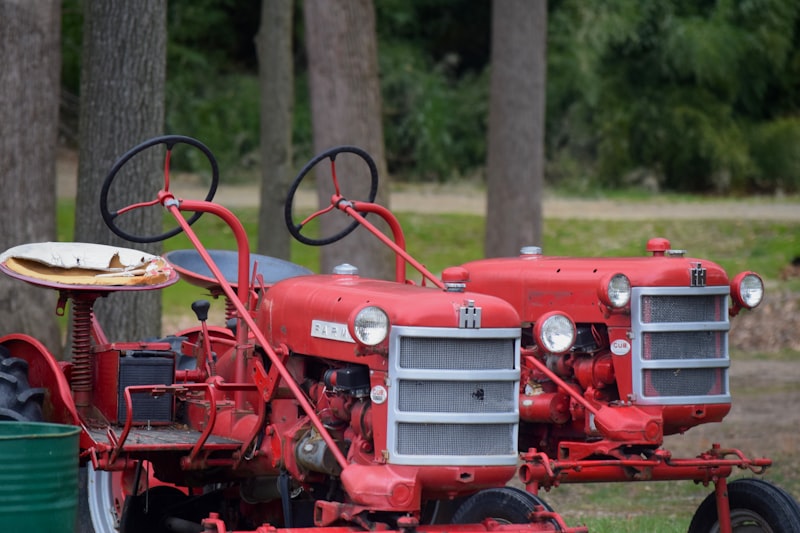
x,y
18,400
505,505
756,506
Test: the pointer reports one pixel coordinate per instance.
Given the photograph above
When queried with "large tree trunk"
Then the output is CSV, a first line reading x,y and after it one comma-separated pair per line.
x,y
515,166
122,104
30,55
274,48
346,109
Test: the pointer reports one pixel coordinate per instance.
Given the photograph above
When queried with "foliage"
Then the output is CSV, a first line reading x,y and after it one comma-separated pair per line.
x,y
692,95
668,95
433,122
222,111
434,82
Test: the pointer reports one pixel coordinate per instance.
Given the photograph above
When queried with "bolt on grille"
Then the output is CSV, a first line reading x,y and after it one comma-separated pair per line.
x,y
680,345
453,396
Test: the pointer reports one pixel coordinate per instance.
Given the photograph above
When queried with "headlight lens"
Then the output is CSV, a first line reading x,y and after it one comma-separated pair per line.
x,y
748,289
616,291
371,325
555,332
619,290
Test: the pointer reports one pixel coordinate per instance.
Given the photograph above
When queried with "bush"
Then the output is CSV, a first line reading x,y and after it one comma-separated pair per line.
x,y
774,148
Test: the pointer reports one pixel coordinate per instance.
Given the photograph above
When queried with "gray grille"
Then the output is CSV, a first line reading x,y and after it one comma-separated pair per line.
x,y
456,439
464,354
456,396
683,345
453,396
680,344
688,308
684,382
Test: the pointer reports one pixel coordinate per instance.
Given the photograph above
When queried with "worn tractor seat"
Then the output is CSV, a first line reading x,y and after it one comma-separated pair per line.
x,y
79,264
193,269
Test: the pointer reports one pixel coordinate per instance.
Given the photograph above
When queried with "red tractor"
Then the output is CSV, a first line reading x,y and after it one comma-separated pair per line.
x,y
616,354
331,402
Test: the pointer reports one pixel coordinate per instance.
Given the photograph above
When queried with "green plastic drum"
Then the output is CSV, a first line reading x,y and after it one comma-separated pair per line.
x,y
38,477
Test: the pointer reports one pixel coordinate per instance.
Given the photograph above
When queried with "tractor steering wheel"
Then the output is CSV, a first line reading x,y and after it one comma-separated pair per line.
x,y
331,154
170,141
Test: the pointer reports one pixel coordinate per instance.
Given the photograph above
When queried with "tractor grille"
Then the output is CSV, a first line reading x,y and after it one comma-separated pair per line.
x,y
680,345
453,396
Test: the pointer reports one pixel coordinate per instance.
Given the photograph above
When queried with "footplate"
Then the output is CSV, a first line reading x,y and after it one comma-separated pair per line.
x,y
161,438
115,442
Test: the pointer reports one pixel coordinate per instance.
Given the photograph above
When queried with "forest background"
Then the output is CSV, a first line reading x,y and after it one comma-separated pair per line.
x,y
674,95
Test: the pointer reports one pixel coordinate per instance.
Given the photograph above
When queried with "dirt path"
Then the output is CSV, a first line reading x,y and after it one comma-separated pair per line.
x,y
466,198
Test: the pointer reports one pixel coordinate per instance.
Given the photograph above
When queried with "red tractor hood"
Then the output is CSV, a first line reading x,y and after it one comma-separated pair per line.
x,y
329,304
536,284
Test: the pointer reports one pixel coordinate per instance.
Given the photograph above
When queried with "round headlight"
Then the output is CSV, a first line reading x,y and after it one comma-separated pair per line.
x,y
371,325
748,289
619,290
555,332
616,291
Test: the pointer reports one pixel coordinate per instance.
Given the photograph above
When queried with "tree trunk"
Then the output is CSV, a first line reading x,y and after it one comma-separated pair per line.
x,y
122,104
274,49
30,55
342,48
515,166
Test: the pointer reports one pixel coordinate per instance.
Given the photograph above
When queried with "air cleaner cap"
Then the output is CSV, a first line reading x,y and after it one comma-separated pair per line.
x,y
658,246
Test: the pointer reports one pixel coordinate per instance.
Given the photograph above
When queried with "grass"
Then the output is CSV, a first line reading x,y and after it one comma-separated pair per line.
x,y
441,240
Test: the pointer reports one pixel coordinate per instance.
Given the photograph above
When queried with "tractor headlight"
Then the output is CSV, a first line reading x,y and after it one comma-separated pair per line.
x,y
747,289
555,332
371,325
615,291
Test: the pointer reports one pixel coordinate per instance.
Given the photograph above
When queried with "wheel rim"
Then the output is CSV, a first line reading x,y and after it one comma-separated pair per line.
x,y
746,521
100,494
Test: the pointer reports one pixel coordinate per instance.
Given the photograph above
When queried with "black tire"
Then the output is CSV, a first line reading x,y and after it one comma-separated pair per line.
x,y
756,505
18,400
506,505
149,510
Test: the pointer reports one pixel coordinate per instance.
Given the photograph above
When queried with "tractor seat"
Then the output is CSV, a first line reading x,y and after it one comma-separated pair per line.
x,y
194,270
79,265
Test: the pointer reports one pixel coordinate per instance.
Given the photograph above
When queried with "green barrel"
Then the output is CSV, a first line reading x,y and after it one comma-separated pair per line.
x,y
38,477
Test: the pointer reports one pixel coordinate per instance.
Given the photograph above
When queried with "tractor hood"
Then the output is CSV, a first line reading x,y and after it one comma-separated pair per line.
x,y
535,284
330,303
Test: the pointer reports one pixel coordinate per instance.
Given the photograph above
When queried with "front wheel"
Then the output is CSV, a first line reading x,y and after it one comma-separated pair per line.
x,y
99,505
756,506
506,505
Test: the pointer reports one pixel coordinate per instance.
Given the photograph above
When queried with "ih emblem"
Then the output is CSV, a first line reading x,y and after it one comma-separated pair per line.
x,y
469,316
698,275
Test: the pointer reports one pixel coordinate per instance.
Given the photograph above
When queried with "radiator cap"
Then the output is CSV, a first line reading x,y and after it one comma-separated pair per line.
x,y
345,269
455,279
530,251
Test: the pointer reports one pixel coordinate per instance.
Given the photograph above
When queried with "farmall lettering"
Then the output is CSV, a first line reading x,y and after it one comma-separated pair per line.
x,y
331,331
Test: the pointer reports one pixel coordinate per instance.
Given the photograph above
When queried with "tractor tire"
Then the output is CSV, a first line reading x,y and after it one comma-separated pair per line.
x,y
756,505
18,400
506,505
